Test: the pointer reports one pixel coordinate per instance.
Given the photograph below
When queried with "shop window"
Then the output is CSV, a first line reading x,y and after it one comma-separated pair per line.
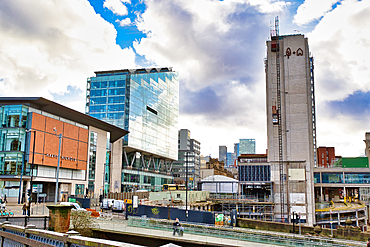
x,y
79,189
14,146
332,178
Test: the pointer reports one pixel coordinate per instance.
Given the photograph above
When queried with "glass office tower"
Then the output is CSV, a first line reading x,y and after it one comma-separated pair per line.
x,y
247,146
146,103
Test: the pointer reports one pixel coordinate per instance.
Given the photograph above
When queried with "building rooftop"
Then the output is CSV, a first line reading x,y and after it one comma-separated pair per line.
x,y
133,71
65,112
219,178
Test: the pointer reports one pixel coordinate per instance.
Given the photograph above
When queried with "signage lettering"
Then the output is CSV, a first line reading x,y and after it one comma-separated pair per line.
x,y
62,157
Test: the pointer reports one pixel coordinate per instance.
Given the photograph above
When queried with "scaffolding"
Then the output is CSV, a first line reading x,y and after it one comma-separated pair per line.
x,y
275,43
313,111
246,208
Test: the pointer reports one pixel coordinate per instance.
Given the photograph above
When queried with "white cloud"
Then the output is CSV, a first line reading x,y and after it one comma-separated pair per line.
x,y
341,48
117,6
207,40
213,44
312,10
124,22
47,46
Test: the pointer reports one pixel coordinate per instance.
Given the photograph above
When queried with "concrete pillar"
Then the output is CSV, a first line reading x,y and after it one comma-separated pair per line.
x,y
59,217
357,218
321,195
366,208
338,218
344,193
28,186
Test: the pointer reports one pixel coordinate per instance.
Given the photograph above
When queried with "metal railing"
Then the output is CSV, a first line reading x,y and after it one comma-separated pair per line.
x,y
13,235
40,222
242,234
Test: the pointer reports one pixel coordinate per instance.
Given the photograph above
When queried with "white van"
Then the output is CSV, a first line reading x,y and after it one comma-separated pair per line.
x,y
107,203
76,206
118,206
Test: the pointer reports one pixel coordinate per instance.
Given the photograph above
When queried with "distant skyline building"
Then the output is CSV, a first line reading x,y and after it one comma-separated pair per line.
x,y
184,139
230,159
144,102
236,149
247,146
188,155
222,153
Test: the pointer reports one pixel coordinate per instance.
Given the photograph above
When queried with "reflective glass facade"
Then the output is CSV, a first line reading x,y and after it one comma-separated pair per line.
x,y
146,104
13,120
257,173
247,146
92,160
349,178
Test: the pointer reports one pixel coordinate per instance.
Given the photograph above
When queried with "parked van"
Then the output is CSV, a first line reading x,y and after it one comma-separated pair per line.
x,y
107,203
118,206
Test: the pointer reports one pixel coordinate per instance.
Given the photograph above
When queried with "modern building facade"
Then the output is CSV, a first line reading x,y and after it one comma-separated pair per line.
x,y
247,146
342,191
144,102
33,130
291,128
255,177
188,163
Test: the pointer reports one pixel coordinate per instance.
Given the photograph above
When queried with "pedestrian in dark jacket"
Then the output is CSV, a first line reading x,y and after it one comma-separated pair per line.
x,y
177,228
24,208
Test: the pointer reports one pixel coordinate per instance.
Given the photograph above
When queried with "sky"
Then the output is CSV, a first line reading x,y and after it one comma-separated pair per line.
x,y
49,48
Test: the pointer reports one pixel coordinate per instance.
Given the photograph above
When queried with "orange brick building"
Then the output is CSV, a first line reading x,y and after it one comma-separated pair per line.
x,y
30,132
325,156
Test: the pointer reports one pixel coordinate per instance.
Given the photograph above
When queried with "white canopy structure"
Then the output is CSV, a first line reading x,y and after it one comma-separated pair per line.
x,y
220,185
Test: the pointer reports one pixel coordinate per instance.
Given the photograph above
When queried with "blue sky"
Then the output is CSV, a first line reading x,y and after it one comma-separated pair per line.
x,y
126,35
50,47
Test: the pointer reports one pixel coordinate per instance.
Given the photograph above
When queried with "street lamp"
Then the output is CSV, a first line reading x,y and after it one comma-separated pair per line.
x,y
32,165
57,182
186,185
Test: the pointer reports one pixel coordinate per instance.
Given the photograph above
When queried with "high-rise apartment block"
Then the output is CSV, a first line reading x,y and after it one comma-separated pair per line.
x,y
188,164
144,102
247,146
291,134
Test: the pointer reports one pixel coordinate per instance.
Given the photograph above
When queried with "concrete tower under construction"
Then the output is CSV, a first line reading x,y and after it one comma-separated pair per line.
x,y
291,125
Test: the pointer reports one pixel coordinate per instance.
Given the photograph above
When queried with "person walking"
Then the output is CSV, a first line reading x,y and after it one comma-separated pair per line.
x,y
24,208
177,228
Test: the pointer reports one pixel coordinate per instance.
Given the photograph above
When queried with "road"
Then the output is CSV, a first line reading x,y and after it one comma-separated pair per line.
x,y
36,209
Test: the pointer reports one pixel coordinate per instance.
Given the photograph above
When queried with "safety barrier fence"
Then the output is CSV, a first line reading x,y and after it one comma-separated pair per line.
x,y
40,222
243,234
13,235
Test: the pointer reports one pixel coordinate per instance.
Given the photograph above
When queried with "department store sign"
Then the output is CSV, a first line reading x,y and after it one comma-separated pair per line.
x,y
61,157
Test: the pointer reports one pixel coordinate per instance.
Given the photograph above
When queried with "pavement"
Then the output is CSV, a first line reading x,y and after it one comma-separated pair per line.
x,y
121,226
38,209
